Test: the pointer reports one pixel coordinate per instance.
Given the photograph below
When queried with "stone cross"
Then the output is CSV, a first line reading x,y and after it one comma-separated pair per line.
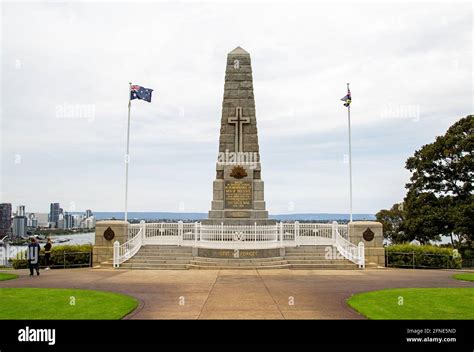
x,y
239,121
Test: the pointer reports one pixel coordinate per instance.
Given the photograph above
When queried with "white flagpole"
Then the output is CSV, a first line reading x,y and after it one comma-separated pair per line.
x,y
350,158
127,156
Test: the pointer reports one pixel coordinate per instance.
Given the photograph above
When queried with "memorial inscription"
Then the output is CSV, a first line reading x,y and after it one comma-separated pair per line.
x,y
238,194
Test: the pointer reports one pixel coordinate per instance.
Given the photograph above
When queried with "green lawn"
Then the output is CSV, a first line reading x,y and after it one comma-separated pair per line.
x,y
464,277
51,303
418,303
4,276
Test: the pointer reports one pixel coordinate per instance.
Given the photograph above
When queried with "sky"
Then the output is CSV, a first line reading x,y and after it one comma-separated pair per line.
x,y
65,69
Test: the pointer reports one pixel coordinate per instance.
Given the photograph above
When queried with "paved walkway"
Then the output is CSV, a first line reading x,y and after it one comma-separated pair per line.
x,y
235,294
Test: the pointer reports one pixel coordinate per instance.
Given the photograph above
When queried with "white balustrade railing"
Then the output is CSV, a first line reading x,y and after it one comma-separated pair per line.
x,y
125,251
238,237
133,230
188,231
343,230
350,251
313,234
243,236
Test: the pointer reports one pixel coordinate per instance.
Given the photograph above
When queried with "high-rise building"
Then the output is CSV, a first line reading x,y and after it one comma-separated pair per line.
x,y
68,220
88,213
5,218
32,220
54,211
61,223
43,219
90,222
78,220
20,210
19,226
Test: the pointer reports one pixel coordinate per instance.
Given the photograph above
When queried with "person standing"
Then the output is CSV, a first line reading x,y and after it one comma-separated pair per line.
x,y
32,253
47,253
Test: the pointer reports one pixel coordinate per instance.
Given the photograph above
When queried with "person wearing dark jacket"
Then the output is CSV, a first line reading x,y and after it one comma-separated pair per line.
x,y
32,253
47,253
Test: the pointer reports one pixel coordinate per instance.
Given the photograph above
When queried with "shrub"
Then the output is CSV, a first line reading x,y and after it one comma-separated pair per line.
x,y
65,256
409,255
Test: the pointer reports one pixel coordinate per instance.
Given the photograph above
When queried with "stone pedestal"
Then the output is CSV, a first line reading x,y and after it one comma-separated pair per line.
x,y
114,230
238,190
371,234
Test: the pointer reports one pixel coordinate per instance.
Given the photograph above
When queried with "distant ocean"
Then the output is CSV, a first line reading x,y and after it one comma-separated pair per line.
x,y
200,216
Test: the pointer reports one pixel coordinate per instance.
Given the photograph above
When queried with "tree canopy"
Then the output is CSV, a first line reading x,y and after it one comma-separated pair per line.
x,y
440,198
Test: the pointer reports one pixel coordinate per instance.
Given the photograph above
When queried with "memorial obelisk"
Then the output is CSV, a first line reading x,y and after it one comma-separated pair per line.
x,y
238,196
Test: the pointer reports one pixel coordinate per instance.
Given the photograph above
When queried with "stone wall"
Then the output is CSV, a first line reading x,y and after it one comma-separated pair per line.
x,y
373,241
104,249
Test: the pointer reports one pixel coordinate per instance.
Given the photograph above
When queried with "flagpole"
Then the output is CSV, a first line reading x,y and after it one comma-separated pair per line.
x,y
127,156
350,157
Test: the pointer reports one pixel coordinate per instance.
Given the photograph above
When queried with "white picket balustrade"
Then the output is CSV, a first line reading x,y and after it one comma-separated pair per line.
x,y
238,237
314,234
133,230
348,250
125,251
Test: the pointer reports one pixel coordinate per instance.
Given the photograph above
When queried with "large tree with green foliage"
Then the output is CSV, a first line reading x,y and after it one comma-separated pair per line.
x,y
392,221
440,198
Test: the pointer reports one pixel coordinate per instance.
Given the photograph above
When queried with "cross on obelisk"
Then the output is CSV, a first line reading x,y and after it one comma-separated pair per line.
x,y
239,121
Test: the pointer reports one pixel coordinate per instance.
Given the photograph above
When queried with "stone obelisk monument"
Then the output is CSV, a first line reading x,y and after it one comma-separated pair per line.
x,y
238,196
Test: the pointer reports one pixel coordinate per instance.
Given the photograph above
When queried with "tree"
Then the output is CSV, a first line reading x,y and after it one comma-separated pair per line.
x,y
422,219
392,221
440,198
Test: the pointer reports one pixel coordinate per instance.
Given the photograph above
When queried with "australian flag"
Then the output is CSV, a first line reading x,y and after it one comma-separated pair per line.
x,y
138,92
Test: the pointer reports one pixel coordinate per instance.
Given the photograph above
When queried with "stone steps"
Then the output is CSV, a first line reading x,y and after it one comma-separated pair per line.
x,y
234,263
318,251
238,263
314,257
318,261
235,260
136,260
322,252
350,266
165,257
242,267
164,251
181,258
148,266
157,257
304,256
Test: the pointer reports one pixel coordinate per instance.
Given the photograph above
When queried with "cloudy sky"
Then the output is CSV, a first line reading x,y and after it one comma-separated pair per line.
x,y
65,73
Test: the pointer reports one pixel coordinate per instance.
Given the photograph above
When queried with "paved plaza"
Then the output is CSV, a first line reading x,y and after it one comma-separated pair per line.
x,y
239,294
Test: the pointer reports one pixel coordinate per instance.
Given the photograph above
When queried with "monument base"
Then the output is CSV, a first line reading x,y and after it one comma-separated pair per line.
x,y
103,250
241,253
238,221
371,234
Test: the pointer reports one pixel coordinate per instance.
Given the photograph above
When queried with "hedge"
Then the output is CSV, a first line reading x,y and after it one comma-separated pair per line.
x,y
65,256
409,255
